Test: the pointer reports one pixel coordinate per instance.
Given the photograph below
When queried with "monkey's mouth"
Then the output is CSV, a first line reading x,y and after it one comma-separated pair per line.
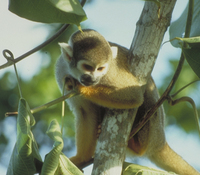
x,y
88,83
87,80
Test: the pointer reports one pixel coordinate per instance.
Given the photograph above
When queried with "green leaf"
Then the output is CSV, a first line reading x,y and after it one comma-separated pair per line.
x,y
56,162
177,28
49,11
52,159
25,152
192,52
193,58
67,167
133,169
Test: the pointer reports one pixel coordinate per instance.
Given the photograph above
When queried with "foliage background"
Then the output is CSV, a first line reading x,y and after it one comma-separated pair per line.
x,y
116,21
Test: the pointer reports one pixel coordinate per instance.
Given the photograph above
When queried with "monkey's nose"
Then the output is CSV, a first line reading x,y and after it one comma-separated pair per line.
x,y
87,80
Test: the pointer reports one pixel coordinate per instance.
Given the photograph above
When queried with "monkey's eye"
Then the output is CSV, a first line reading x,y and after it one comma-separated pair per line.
x,y
88,67
101,68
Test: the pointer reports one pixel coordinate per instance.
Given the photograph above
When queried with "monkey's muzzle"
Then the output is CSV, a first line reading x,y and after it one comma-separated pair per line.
x,y
88,80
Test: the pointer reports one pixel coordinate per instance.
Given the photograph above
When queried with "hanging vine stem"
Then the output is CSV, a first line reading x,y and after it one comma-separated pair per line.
x,y
58,33
63,109
191,101
10,57
165,95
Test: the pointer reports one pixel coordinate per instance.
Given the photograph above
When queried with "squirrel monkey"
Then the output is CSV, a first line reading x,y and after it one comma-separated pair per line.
x,y
100,72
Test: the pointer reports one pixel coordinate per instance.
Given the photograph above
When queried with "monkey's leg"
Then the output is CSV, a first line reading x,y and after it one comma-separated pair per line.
x,y
86,135
167,159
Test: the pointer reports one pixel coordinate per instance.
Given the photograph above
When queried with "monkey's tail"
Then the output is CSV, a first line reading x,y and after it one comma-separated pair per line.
x,y
167,159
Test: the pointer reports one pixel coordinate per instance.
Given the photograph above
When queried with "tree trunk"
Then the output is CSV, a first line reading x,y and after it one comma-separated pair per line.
x,y
116,126
112,143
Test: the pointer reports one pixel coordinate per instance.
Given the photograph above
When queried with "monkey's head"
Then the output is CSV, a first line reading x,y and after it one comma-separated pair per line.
x,y
88,56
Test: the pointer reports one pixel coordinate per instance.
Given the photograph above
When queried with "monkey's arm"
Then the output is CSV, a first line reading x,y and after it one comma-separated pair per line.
x,y
111,97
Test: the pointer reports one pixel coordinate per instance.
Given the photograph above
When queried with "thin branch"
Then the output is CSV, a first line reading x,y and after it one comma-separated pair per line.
x,y
183,88
42,107
9,63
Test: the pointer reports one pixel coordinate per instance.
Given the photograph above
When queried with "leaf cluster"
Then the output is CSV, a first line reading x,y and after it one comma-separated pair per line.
x,y
26,159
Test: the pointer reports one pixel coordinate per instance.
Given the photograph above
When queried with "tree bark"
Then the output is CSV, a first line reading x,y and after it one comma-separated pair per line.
x,y
148,37
112,143
116,126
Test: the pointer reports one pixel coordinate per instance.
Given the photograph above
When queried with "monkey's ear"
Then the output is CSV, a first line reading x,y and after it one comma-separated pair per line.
x,y
114,50
66,51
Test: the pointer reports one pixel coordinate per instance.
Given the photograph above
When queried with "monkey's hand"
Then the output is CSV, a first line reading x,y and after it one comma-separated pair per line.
x,y
70,83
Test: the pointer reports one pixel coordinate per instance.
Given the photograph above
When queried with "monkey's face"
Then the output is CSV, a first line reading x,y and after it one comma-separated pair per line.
x,y
88,56
88,73
86,67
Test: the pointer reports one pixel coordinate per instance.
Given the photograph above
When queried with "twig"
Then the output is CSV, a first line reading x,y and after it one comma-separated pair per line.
x,y
184,88
42,107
